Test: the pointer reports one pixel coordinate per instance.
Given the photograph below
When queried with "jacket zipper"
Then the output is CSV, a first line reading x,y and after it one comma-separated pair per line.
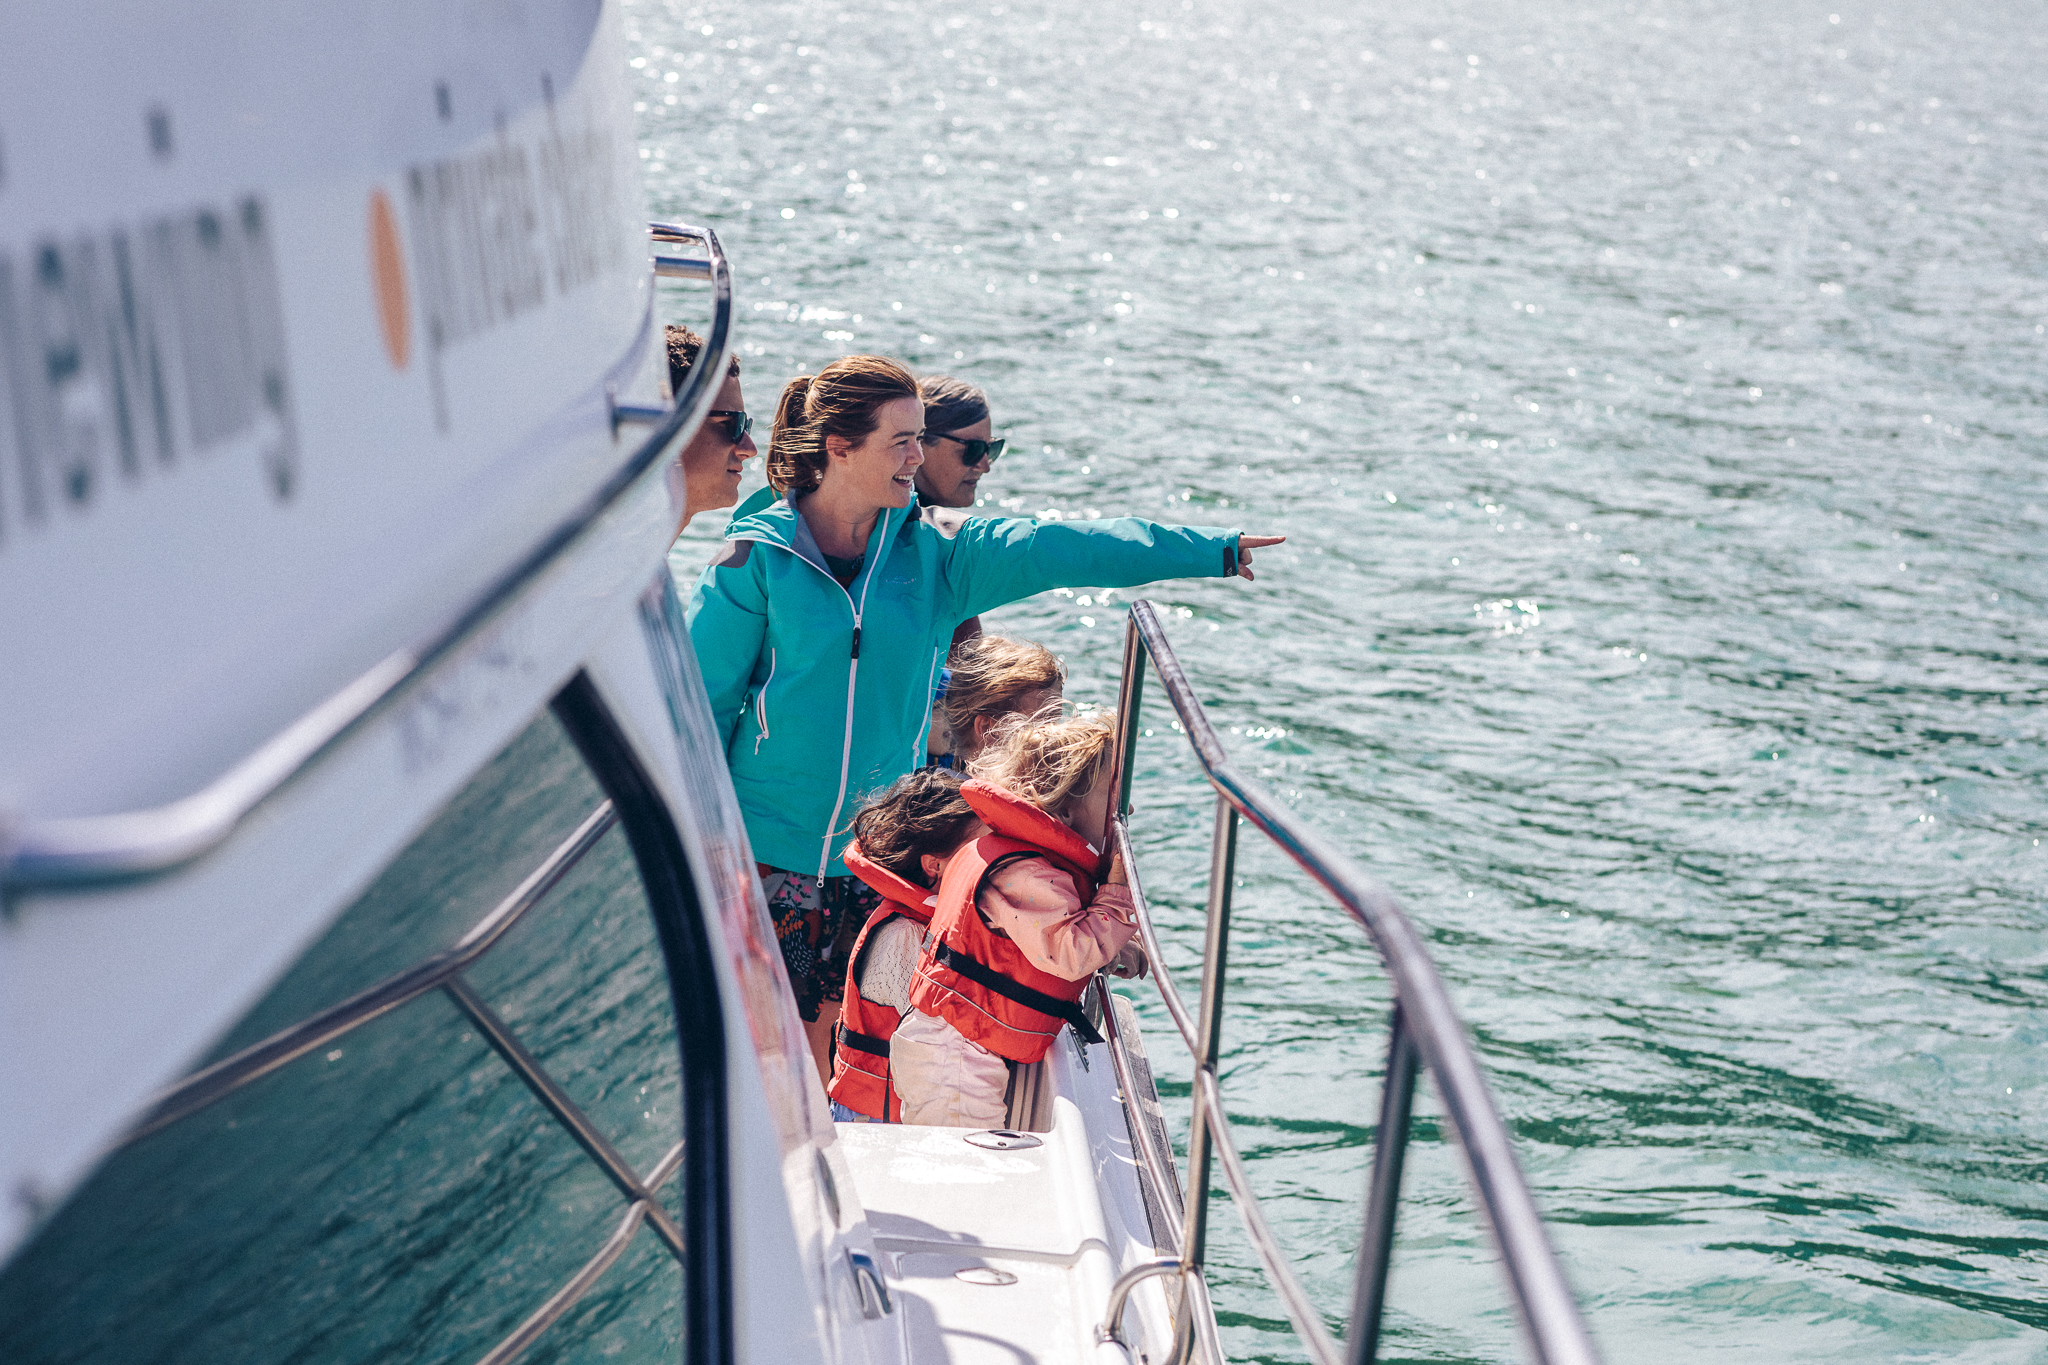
x,y
846,747
852,677
918,751
761,703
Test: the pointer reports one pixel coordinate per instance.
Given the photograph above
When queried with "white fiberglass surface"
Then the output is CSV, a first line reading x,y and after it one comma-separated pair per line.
x,y
106,997
1064,1218
307,322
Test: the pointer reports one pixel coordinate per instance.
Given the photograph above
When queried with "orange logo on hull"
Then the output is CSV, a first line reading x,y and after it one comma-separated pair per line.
x,y
387,271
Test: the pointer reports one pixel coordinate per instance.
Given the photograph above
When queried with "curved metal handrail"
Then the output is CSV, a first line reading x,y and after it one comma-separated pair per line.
x,y
81,850
1111,1328
1120,837
1322,1347
258,1060
1536,1282
579,1284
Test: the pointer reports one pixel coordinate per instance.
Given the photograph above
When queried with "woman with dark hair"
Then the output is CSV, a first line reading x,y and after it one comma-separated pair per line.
x,y
957,452
823,623
957,448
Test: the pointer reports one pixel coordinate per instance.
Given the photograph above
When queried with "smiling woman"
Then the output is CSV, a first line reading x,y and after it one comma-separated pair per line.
x,y
779,619
847,443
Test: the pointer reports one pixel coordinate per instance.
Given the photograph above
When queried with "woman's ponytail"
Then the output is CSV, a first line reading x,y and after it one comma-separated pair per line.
x,y
844,399
786,468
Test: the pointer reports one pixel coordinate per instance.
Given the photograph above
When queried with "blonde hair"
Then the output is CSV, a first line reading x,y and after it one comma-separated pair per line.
x,y
992,674
844,399
1047,761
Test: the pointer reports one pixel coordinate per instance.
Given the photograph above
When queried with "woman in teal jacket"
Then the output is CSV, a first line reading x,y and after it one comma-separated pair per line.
x,y
823,623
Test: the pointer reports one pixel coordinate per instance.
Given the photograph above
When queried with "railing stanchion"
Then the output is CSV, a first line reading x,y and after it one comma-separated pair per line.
x,y
1215,947
1129,695
1425,1032
1390,1147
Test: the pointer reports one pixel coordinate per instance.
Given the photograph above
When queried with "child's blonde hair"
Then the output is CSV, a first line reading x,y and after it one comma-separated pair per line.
x,y
1047,759
991,675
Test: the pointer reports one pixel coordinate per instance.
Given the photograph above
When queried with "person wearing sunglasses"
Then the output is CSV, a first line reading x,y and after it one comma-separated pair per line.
x,y
706,473
958,448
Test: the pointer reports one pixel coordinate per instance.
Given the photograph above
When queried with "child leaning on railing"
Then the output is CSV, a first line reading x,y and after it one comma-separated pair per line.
x,y
1022,923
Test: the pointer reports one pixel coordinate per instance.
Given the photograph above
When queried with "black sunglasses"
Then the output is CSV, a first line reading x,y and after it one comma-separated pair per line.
x,y
742,423
971,452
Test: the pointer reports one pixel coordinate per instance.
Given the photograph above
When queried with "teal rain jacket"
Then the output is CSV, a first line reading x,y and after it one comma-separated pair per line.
x,y
822,694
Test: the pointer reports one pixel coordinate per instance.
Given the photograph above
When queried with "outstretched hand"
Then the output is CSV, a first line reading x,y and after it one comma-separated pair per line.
x,y
1245,546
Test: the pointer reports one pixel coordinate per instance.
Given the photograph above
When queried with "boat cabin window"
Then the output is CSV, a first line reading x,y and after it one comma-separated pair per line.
x,y
451,1132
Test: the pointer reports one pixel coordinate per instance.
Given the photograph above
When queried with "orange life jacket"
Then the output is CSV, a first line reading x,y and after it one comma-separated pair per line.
x,y
973,975
860,1067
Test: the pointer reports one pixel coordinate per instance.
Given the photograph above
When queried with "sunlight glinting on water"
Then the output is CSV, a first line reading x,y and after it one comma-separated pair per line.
x,y
1654,400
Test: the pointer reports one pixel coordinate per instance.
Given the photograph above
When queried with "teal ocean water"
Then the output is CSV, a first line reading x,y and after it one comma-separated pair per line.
x,y
1656,398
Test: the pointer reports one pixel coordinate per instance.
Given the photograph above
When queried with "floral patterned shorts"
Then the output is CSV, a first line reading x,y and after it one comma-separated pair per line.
x,y
815,924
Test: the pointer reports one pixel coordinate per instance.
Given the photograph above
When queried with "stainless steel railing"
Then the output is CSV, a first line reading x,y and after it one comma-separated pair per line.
x,y
231,1073
584,1280
85,850
668,265
1424,1033
444,972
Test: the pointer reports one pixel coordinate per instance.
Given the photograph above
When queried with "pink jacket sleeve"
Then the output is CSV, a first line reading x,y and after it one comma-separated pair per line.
x,y
1040,908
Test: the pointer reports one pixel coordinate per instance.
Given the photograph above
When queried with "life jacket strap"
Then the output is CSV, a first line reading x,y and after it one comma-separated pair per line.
x,y
990,979
863,1042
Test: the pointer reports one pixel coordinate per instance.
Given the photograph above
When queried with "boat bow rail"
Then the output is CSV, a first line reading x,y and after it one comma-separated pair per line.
x,y
80,851
670,265
1424,1033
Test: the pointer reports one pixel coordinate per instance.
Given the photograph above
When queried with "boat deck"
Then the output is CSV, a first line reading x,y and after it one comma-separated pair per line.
x,y
1057,1222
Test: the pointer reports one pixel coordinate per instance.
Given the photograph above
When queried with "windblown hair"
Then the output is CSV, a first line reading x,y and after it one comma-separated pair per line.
x,y
684,346
922,812
950,404
843,399
1047,761
992,675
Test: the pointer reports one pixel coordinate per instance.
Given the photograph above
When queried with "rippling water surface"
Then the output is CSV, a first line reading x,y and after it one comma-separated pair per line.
x,y
1654,398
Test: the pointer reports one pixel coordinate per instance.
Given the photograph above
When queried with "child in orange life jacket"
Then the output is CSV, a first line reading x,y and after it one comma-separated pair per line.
x,y
901,842
1021,923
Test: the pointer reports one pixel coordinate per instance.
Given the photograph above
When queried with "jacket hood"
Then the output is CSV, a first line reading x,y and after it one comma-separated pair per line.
x,y
764,496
